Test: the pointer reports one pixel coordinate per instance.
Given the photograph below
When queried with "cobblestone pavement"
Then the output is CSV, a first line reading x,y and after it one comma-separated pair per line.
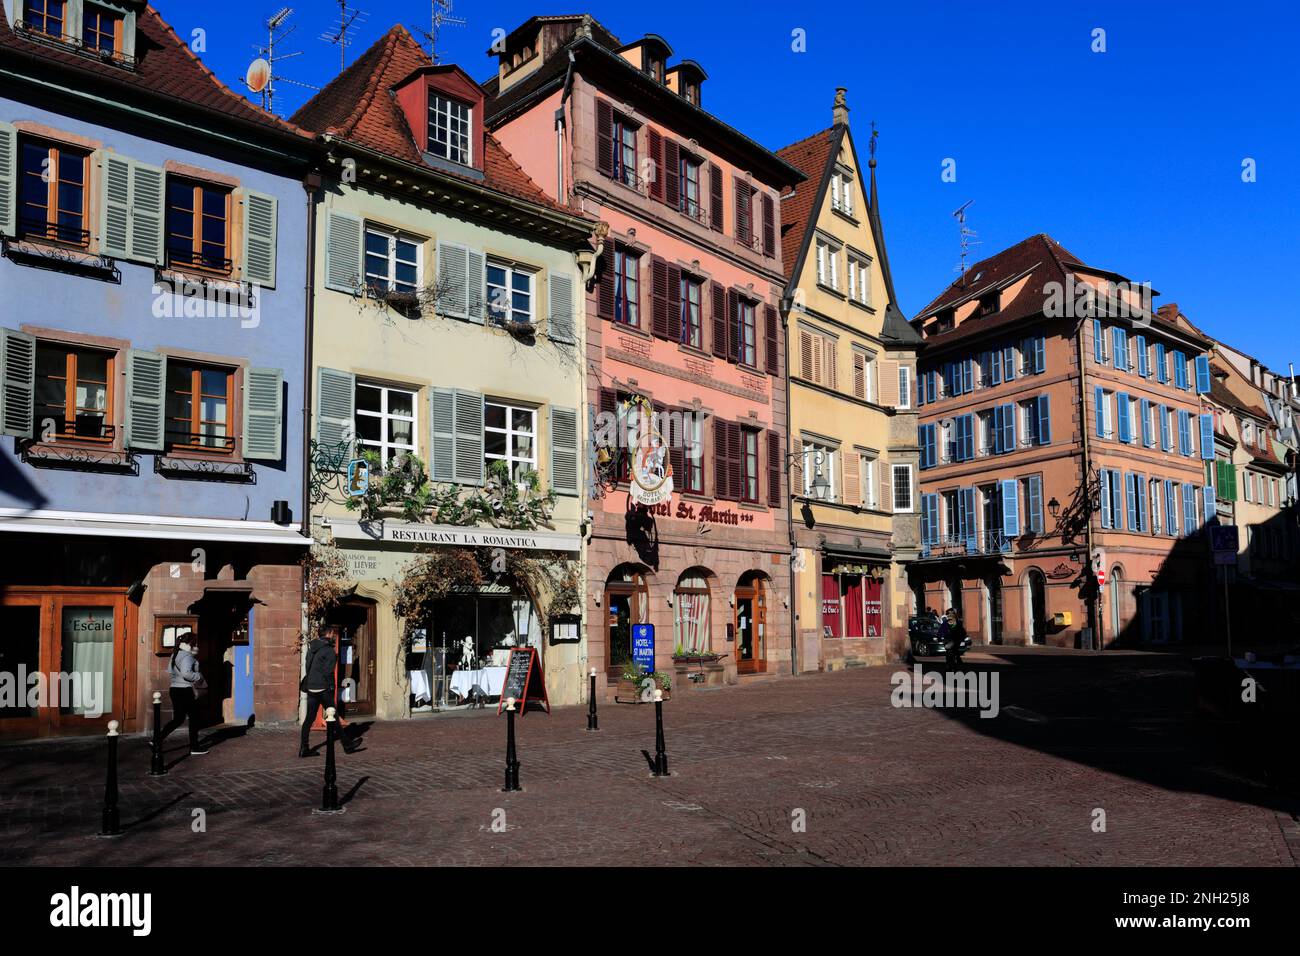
x,y
875,784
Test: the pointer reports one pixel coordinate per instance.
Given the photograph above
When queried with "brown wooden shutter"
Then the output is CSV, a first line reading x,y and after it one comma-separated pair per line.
x,y
735,455
888,383
674,303
769,226
719,310
605,286
659,297
774,469
886,502
656,146
672,172
773,332
852,484
721,466
733,326
604,137
859,375
677,449
806,354
715,198
830,368
744,204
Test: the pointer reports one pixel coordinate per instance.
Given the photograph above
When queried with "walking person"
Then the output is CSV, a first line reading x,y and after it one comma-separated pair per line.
x,y
187,684
318,685
956,637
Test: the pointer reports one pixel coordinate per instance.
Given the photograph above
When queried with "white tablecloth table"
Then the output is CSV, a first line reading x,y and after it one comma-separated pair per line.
x,y
489,681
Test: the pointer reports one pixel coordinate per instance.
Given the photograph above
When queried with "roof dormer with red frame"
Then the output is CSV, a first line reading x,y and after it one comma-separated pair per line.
x,y
444,110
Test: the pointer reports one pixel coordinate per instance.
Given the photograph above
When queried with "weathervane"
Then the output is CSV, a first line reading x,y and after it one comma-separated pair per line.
x,y
871,144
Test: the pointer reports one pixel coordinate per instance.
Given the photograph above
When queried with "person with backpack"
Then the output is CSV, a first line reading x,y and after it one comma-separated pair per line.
x,y
318,684
187,684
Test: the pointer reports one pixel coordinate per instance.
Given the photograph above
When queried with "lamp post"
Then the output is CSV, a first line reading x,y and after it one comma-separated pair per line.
x,y
1054,507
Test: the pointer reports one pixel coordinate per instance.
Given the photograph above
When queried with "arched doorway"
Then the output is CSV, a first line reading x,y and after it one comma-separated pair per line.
x,y
626,603
355,620
1036,612
1116,589
751,623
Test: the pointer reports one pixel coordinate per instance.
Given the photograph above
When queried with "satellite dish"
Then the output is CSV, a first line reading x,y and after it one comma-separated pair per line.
x,y
258,75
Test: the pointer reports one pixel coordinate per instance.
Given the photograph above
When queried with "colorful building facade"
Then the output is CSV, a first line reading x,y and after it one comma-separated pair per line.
x,y
153,315
447,346
682,318
852,367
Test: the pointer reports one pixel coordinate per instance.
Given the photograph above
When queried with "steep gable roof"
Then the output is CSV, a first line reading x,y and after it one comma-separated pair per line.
x,y
358,106
812,156
165,68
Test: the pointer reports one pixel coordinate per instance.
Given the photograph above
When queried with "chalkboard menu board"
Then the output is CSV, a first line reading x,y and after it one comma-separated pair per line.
x,y
524,682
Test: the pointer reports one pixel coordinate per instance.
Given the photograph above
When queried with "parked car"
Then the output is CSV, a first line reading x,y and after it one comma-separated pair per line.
x,y
923,632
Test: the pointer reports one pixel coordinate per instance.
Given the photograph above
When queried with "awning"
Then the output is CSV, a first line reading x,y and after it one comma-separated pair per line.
x,y
154,527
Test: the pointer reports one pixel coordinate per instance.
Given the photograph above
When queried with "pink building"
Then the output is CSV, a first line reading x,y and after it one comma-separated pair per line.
x,y
684,314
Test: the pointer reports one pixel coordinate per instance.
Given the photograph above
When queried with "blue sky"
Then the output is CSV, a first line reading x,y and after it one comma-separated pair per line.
x,y
1131,158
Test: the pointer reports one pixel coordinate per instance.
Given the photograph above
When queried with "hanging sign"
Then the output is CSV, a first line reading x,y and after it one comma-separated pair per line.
x,y
524,682
358,478
652,470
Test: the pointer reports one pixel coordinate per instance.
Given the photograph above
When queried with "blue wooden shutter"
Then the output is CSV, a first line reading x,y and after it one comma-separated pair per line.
x,y
1166,439
1125,426
1208,491
1180,369
1130,498
146,380
1044,419
968,447
1105,498
1162,366
335,401
1009,363
1119,344
263,413
967,379
968,524
1009,424
1035,505
17,383
147,213
1140,486
997,367
1202,374
258,260
1098,343
1144,409
442,434
1100,396
1207,437
1010,508
1040,354
1171,508
1143,368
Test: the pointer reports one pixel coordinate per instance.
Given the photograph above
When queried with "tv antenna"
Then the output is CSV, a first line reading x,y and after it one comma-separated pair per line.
x,y
966,235
261,76
349,19
440,17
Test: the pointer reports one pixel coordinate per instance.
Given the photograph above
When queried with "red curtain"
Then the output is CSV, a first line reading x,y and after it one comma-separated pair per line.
x,y
872,594
830,606
853,606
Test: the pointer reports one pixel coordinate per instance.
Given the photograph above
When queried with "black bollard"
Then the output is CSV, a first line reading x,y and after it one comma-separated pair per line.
x,y
112,820
330,795
661,756
512,765
156,766
592,723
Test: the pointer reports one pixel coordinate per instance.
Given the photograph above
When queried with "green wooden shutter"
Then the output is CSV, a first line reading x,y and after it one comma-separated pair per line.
x,y
563,429
8,180
342,252
263,410
17,383
335,427
115,206
476,285
469,437
146,379
453,280
259,238
147,213
442,434
561,320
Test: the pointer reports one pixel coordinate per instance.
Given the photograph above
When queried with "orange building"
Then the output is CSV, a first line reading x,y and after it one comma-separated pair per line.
x,y
683,316
1061,435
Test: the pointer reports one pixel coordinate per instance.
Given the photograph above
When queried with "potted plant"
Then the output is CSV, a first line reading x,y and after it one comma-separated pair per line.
x,y
631,684
693,655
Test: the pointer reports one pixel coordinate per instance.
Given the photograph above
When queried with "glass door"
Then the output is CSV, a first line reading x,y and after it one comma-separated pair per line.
x,y
88,647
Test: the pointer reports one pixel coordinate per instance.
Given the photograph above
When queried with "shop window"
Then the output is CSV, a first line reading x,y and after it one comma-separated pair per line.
x,y
199,409
510,435
386,420
52,193
691,612
198,226
74,393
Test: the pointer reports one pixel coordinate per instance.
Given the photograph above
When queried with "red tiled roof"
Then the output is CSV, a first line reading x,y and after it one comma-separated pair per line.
x,y
358,106
810,157
165,66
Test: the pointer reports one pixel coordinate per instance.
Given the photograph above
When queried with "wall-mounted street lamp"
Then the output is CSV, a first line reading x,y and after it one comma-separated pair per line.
x,y
821,488
1054,507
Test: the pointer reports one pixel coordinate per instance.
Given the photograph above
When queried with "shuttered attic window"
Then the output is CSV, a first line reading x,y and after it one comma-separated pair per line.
x,y
104,29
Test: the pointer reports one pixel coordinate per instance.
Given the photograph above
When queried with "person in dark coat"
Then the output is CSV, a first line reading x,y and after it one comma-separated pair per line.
x,y
318,685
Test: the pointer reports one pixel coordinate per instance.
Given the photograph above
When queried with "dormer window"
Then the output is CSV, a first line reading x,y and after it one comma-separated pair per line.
x,y
657,70
46,16
691,91
101,29
944,321
449,129
988,304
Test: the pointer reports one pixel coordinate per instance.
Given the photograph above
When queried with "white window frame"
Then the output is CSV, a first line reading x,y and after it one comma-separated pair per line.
x,y
444,115
1108,414
828,266
393,236
904,386
810,450
388,450
512,269
906,469
867,465
859,279
509,431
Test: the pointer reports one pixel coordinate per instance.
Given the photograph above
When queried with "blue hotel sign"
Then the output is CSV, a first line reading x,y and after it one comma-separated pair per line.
x,y
643,646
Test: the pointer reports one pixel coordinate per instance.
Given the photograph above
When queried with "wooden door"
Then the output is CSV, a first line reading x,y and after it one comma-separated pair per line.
x,y
356,623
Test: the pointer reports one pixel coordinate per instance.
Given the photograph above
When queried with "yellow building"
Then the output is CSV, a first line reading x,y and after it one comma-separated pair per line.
x,y
447,344
852,363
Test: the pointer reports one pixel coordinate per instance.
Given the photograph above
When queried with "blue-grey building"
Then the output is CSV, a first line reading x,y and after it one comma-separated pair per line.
x,y
153,320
